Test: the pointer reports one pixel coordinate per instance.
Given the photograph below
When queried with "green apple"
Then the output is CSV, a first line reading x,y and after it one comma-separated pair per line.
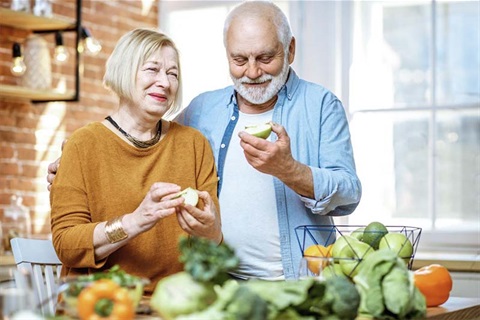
x,y
399,243
352,256
260,130
333,270
340,243
373,233
190,195
358,233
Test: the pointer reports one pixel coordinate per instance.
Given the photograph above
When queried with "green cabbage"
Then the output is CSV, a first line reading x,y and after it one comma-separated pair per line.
x,y
180,294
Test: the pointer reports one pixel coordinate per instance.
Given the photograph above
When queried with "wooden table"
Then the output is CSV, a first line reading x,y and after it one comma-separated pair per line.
x,y
456,309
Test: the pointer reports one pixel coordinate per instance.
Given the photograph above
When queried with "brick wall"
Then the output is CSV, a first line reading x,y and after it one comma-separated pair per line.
x,y
31,134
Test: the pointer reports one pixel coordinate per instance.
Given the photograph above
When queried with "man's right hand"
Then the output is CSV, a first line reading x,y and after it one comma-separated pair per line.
x,y
52,169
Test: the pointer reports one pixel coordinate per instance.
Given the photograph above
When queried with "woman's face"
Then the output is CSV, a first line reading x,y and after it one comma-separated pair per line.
x,y
157,82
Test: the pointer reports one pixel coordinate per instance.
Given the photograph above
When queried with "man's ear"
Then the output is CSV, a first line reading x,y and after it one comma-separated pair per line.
x,y
291,51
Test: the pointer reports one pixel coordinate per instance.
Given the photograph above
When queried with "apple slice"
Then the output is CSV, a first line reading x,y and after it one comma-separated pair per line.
x,y
260,130
190,195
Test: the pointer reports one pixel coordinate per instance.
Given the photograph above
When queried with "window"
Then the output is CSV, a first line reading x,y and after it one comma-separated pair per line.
x,y
415,117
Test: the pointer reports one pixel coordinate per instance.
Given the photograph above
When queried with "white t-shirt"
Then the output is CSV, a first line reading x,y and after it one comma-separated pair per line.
x,y
249,210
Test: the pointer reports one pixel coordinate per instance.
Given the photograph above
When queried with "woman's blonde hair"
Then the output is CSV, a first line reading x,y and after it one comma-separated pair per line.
x,y
131,52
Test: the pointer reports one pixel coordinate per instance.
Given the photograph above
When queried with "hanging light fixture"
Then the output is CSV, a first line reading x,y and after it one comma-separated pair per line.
x,y
61,53
89,44
18,66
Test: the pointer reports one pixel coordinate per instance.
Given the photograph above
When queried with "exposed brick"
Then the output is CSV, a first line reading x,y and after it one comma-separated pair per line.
x,y
6,152
9,169
31,134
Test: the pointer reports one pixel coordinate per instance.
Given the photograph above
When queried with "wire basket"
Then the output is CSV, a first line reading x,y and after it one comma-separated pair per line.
x,y
326,235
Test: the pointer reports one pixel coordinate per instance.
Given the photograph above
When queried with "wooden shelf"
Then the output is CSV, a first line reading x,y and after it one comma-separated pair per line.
x,y
28,21
21,93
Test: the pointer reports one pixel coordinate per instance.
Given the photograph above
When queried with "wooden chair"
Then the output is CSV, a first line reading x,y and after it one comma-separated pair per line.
x,y
39,259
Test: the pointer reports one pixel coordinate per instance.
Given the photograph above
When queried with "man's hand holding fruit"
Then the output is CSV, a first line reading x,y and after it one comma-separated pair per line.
x,y
275,158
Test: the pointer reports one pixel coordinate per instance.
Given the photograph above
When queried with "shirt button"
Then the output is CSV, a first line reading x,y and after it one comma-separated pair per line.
x,y
222,145
233,118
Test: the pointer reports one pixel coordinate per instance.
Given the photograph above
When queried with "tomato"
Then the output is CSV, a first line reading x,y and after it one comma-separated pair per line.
x,y
435,283
105,299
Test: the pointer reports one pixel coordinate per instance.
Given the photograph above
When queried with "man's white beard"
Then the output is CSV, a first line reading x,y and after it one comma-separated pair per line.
x,y
258,95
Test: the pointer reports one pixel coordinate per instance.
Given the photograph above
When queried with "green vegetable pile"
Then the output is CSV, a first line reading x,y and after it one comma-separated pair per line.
x,y
387,288
205,291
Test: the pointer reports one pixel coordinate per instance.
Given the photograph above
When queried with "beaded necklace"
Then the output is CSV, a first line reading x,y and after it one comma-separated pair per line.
x,y
138,143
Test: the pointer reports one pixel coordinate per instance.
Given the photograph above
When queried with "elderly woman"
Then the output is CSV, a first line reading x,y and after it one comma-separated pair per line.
x,y
113,200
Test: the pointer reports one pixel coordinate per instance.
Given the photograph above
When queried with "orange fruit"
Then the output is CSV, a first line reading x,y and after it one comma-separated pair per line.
x,y
318,250
314,264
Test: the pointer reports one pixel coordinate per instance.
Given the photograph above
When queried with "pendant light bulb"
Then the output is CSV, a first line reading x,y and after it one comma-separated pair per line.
x,y
93,46
18,67
61,53
90,45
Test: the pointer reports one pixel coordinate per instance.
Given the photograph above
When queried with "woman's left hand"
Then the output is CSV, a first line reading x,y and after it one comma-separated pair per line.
x,y
203,222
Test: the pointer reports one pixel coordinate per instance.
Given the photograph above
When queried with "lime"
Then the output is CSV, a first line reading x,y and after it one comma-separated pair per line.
x,y
261,130
373,233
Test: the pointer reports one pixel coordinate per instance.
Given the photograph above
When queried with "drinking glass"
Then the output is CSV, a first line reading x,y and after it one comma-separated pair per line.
x,y
16,292
313,267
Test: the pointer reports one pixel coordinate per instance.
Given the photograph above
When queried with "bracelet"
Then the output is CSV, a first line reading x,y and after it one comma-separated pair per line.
x,y
114,230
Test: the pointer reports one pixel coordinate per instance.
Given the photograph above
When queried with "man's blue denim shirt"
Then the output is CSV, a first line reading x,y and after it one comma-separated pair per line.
x,y
316,123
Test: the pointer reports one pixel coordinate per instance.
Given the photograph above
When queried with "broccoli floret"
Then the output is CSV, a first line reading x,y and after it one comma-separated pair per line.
x,y
206,261
343,296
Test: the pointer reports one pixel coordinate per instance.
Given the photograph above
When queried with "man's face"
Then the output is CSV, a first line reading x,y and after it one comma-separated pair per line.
x,y
257,61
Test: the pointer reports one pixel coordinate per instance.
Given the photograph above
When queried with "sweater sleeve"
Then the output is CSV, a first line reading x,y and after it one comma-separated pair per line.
x,y
72,227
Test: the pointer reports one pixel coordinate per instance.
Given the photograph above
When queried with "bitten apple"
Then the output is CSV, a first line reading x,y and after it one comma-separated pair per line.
x,y
260,130
190,195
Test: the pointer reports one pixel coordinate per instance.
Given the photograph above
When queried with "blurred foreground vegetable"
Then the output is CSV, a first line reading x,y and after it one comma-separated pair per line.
x,y
105,299
435,283
202,291
206,264
73,287
387,288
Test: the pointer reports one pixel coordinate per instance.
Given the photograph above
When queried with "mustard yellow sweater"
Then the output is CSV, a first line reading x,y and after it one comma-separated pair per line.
x,y
101,177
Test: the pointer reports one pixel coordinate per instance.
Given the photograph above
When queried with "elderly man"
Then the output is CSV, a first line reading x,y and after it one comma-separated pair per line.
x,y
303,174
